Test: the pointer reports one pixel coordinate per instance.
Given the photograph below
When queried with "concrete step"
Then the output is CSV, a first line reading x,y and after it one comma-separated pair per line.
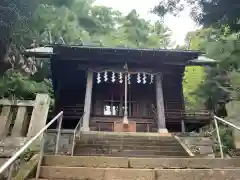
x,y
119,149
129,153
132,156
79,173
128,145
85,161
91,135
129,142
131,139
140,163
131,147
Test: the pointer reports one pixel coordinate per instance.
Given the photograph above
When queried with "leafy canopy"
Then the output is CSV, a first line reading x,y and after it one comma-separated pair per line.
x,y
210,13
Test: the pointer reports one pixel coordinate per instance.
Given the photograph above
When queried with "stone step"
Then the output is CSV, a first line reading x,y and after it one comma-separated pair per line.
x,y
91,135
197,174
184,163
85,161
131,147
134,140
167,139
119,149
129,142
133,156
140,163
129,153
79,173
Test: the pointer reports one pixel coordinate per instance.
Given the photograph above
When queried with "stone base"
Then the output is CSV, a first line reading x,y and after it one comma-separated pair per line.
x,y
85,129
121,127
163,130
236,136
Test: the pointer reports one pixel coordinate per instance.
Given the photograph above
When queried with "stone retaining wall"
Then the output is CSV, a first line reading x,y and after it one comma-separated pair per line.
x,y
199,145
65,142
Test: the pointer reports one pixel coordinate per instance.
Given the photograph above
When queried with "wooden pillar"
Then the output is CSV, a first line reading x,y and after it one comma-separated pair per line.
x,y
125,118
121,105
39,114
88,100
160,105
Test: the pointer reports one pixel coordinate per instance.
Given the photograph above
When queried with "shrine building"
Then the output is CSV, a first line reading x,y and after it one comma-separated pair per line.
x,y
122,89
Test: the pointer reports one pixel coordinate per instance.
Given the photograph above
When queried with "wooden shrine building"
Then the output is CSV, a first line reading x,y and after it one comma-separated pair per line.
x,y
122,89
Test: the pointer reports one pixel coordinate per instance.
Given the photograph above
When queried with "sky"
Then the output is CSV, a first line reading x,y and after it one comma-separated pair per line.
x,y
179,25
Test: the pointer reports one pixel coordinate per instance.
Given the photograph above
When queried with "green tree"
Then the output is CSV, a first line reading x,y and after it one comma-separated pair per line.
x,y
210,13
193,77
220,84
71,22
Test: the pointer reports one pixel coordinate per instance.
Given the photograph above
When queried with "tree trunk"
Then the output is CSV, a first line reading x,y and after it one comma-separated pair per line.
x,y
4,48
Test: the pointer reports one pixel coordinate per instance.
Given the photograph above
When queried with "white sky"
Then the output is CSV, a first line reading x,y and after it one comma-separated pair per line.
x,y
179,25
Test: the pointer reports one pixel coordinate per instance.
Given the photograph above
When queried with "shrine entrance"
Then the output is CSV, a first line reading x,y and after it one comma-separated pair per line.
x,y
89,82
109,99
108,104
113,101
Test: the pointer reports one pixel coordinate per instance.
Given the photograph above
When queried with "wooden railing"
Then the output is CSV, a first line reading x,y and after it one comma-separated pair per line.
x,y
71,111
176,114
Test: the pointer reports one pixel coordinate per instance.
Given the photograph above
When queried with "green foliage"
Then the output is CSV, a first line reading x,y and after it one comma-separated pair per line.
x,y
210,13
85,23
67,22
17,85
213,86
193,77
221,82
226,139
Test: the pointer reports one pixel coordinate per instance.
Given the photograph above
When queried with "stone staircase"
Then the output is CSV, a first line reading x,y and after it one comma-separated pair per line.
x,y
129,145
124,168
133,156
